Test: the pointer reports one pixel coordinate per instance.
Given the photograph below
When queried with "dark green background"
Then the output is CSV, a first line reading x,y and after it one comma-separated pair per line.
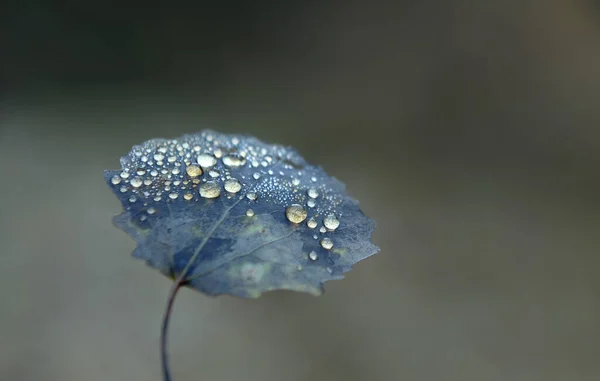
x,y
468,130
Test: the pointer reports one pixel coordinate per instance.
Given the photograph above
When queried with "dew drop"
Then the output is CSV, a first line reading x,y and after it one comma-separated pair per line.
x,y
331,222
210,189
206,160
313,256
295,213
173,196
193,170
234,160
250,213
326,243
136,182
311,223
115,180
232,186
251,196
313,193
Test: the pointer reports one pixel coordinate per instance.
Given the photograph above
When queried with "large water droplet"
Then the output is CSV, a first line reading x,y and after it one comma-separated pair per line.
x,y
136,182
210,189
232,186
313,193
193,170
234,160
331,222
295,213
206,160
326,243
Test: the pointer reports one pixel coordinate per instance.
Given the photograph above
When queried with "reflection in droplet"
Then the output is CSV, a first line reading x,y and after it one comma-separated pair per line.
x,y
232,185
234,160
295,213
326,243
206,160
136,182
210,189
331,222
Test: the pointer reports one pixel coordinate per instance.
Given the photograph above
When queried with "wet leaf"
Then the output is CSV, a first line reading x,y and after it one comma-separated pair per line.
x,y
229,214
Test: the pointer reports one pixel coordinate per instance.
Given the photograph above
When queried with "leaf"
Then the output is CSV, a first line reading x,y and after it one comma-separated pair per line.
x,y
229,214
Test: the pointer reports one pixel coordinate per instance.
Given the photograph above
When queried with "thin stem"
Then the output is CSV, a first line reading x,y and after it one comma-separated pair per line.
x,y
165,325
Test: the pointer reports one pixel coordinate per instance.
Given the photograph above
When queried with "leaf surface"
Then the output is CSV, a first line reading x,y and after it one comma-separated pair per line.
x,y
233,215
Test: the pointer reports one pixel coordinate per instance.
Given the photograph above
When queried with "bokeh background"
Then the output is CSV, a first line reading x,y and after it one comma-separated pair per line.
x,y
469,130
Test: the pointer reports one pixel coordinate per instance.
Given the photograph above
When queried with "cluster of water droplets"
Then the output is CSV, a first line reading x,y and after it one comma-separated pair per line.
x,y
210,165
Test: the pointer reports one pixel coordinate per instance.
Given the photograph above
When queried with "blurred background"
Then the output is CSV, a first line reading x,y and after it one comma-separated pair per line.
x,y
467,129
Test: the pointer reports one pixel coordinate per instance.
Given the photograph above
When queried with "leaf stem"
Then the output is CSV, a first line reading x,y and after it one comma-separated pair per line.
x,y
164,328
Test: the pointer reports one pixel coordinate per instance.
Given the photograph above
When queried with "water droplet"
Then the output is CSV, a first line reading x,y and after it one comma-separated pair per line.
x,y
295,213
251,196
235,141
331,222
322,230
232,186
188,196
313,179
154,172
151,210
250,212
123,189
147,182
140,172
171,159
256,175
311,203
214,173
124,175
313,256
175,171
206,160
193,170
311,223
173,196
218,153
143,217
329,270
132,199
136,182
326,243
234,160
159,156
210,189
115,180
296,182
313,193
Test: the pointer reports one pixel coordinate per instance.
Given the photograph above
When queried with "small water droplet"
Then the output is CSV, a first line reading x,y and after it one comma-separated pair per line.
x,y
147,182
123,189
151,210
115,180
136,182
313,256
159,156
171,159
188,196
311,203
157,198
322,230
296,182
193,170
175,171
311,223
206,160
124,175
295,213
132,199
143,217
154,172
234,160
313,193
251,196
210,189
218,153
250,212
256,175
173,196
326,243
232,186
313,179
214,173
235,141
331,222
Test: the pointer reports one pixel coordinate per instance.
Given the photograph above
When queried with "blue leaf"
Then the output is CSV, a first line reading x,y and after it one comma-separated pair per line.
x,y
229,214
